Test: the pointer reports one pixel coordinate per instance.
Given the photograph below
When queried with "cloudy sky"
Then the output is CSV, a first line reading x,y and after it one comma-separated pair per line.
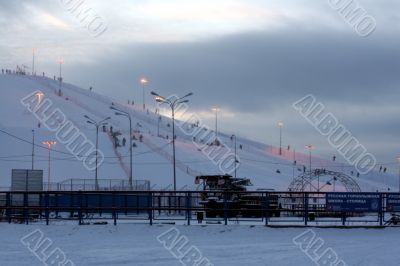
x,y
251,58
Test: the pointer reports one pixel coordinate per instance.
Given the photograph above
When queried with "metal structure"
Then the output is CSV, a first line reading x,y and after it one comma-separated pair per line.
x,y
97,124
173,104
306,182
186,207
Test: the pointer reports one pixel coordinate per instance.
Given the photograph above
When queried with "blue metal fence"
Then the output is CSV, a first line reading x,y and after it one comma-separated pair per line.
x,y
269,208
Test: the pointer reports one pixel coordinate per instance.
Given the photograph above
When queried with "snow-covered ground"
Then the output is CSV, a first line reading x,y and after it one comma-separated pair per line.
x,y
222,245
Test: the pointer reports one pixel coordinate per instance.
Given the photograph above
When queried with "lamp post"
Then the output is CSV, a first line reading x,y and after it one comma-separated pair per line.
x,y
216,110
39,95
61,61
236,160
33,61
50,145
310,147
97,125
280,125
172,104
33,148
143,83
127,115
158,125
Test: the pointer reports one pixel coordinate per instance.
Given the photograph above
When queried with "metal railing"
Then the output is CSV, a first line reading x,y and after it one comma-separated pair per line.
x,y
258,207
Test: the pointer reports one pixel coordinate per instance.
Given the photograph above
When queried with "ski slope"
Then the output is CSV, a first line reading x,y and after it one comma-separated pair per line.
x,y
152,157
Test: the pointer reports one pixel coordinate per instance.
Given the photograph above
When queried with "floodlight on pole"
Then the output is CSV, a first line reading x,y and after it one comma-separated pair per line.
x,y
97,124
39,95
216,110
49,145
172,104
143,83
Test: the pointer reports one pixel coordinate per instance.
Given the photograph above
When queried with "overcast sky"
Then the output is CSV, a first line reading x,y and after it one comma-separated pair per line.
x,y
251,58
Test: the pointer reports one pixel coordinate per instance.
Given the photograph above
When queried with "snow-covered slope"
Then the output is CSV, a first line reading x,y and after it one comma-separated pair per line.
x,y
152,157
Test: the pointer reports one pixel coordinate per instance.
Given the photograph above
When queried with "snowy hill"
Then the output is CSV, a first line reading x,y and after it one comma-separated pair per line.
x,y
152,153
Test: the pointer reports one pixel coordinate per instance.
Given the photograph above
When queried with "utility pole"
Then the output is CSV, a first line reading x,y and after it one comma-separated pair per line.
x,y
33,148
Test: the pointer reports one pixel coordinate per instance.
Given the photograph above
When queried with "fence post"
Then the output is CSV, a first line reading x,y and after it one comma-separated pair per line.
x,y
46,199
114,213
382,210
225,208
26,218
189,206
80,208
8,206
149,206
266,207
305,195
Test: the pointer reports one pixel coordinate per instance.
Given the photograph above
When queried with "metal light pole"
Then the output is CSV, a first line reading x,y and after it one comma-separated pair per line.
x,y
216,110
172,104
127,115
280,125
33,148
39,95
158,126
33,61
97,125
49,144
61,61
144,82
310,147
236,160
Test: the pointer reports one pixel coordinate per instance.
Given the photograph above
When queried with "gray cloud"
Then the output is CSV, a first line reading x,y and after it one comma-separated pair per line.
x,y
256,75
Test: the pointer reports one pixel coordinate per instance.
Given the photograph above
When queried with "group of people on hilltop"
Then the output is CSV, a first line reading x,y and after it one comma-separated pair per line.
x,y
8,71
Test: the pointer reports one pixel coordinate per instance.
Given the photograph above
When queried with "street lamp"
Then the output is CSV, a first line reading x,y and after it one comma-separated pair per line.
x,y
310,147
39,95
173,104
61,61
97,125
144,82
127,115
216,110
33,148
50,145
236,160
158,125
280,125
33,61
